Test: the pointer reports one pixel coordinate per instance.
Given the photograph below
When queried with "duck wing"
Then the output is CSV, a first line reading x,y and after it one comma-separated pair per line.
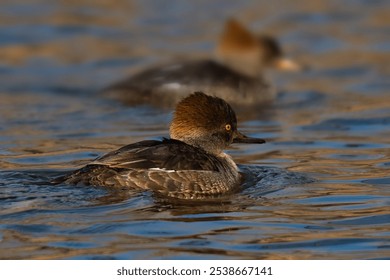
x,y
167,154
168,167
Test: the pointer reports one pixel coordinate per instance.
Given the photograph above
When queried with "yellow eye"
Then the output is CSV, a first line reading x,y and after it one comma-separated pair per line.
x,y
228,127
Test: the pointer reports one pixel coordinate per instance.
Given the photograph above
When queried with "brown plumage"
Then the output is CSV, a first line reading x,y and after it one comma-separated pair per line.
x,y
234,73
190,165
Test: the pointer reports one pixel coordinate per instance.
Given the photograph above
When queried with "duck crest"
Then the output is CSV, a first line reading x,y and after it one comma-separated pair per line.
x,y
239,49
198,114
236,38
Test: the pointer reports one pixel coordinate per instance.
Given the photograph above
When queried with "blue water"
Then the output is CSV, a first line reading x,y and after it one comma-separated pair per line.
x,y
319,187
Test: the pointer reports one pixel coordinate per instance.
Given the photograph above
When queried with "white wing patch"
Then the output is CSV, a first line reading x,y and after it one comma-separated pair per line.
x,y
162,169
172,86
172,67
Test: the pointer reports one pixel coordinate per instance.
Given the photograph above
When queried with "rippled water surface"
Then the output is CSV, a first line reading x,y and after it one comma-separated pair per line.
x,y
321,186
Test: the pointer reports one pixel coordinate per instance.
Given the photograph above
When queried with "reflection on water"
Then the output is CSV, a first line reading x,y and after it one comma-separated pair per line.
x,y
319,187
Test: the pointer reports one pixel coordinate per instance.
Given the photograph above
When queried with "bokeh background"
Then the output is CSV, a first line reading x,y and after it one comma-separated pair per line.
x,y
330,122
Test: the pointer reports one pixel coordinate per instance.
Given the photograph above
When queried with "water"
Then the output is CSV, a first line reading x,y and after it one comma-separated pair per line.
x,y
322,190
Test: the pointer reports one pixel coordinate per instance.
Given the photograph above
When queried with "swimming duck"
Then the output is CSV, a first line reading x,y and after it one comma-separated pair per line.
x,y
235,74
191,164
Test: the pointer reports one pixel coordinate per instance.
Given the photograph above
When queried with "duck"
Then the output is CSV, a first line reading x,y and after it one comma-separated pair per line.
x,y
234,73
190,164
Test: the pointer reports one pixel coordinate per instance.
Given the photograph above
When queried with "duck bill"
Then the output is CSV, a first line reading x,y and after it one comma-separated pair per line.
x,y
241,138
286,64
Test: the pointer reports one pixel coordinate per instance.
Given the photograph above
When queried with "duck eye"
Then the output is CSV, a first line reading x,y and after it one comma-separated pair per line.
x,y
228,127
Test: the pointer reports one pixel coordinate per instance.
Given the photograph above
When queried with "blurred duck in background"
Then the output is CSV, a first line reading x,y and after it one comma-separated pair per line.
x,y
235,73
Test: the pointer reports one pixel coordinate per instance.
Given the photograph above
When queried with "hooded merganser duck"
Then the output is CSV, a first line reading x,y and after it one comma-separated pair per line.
x,y
235,74
189,165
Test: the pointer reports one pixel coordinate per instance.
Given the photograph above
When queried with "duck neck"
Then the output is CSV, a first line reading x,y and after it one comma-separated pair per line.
x,y
213,146
247,64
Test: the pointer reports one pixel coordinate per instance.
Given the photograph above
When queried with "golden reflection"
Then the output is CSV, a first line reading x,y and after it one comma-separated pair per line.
x,y
91,42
